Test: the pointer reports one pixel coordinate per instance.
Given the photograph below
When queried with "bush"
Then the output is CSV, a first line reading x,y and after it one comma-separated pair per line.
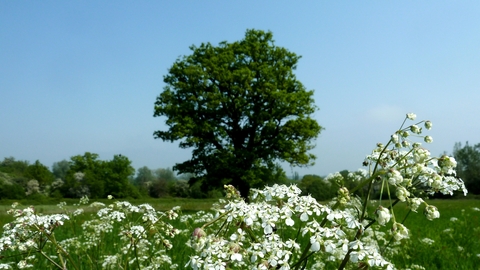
x,y
12,191
317,187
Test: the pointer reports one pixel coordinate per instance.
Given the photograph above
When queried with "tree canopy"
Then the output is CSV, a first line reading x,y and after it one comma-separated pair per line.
x,y
241,109
87,175
468,165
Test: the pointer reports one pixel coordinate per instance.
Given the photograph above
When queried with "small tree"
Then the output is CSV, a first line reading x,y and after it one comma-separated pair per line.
x,y
96,178
116,176
60,169
241,108
468,165
14,167
144,179
39,172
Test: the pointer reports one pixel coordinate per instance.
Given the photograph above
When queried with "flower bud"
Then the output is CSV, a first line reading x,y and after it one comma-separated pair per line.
x,y
395,138
420,155
232,192
394,177
416,144
399,231
415,129
414,203
199,233
428,125
234,247
402,193
428,139
411,116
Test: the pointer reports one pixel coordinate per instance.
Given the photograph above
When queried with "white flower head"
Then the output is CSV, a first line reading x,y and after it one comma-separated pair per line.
x,y
411,116
383,215
402,193
399,231
427,241
431,212
394,177
414,203
445,162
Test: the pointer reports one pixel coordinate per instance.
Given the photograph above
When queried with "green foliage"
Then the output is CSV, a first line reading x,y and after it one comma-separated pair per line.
x,y
60,169
240,106
269,175
84,177
144,175
143,179
97,179
116,176
158,188
9,189
468,165
180,189
165,174
39,172
317,187
14,167
6,178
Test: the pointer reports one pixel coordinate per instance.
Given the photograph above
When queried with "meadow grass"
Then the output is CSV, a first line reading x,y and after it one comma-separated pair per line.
x,y
450,242
455,235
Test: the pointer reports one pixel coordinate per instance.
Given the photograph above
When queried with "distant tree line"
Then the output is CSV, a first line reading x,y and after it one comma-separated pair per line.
x,y
88,175
82,175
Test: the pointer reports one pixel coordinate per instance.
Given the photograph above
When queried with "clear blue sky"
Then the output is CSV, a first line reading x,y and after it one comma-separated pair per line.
x,y
78,76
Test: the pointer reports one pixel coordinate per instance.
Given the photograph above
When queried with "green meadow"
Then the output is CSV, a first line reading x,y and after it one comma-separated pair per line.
x,y
450,242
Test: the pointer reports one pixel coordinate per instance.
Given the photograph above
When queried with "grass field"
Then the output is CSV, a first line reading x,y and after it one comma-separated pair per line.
x,y
450,242
455,235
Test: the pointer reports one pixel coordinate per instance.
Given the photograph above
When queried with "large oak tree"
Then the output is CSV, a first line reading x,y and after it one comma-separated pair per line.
x,y
241,109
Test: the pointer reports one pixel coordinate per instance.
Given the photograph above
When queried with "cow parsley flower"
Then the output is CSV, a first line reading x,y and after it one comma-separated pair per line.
x,y
414,203
5,266
399,231
427,241
431,212
383,215
402,193
394,177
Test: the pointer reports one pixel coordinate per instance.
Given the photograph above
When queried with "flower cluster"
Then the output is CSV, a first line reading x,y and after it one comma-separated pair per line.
x,y
144,232
409,168
29,229
271,230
